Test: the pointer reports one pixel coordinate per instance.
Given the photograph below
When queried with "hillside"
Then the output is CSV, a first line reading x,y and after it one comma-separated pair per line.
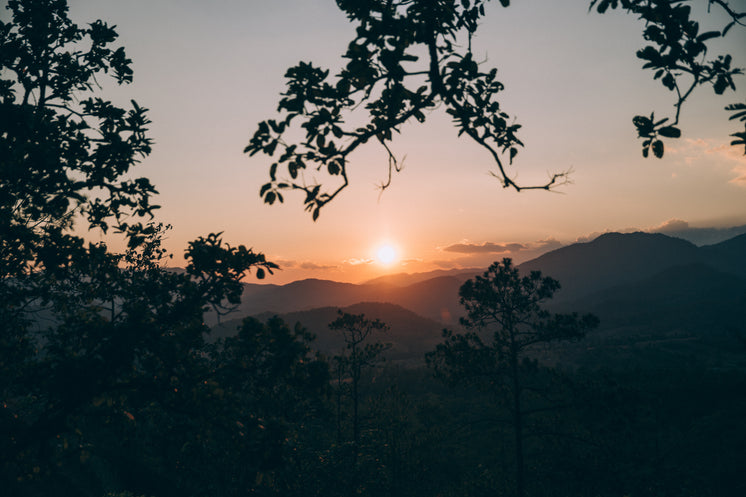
x,y
612,259
651,292
410,334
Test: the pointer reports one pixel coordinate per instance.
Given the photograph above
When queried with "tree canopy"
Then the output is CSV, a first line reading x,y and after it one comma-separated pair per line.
x,y
411,56
505,311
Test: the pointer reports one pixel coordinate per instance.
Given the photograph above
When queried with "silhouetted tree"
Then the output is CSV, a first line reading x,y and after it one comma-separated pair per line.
x,y
65,152
677,53
356,329
384,75
101,354
507,308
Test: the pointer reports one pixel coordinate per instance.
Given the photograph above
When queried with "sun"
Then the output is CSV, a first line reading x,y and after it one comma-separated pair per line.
x,y
386,254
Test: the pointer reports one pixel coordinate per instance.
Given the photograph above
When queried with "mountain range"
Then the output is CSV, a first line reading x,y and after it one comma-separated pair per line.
x,y
653,294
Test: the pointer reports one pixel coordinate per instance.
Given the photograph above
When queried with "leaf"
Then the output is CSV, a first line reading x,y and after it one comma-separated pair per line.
x,y
658,148
708,35
644,125
721,83
669,81
670,132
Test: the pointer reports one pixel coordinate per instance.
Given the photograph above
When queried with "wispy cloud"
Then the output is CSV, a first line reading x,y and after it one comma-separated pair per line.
x,y
410,261
356,262
592,236
291,264
546,245
483,248
691,150
670,225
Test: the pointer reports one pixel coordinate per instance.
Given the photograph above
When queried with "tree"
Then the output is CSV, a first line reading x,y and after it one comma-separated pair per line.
x,y
274,385
356,329
677,53
384,76
102,355
65,153
507,308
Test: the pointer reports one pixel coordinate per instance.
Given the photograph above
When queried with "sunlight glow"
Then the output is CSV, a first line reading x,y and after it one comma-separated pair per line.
x,y
386,255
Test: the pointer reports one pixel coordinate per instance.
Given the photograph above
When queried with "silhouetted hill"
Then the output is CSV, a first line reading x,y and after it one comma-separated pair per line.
x,y
411,335
704,236
405,279
611,259
684,311
728,256
436,298
654,295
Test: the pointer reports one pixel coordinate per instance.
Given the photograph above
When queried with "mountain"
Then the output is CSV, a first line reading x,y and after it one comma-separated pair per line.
x,y
582,269
611,259
728,256
702,236
435,298
659,298
405,279
690,311
410,335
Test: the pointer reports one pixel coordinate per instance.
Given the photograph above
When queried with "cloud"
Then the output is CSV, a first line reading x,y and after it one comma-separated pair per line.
x,y
290,264
670,225
548,244
410,261
313,265
483,248
739,180
714,151
592,236
357,262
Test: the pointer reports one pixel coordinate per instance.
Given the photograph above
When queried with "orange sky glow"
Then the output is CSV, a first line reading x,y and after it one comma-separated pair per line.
x,y
210,71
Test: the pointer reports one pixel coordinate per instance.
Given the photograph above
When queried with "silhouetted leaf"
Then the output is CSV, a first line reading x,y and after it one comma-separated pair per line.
x,y
658,148
670,132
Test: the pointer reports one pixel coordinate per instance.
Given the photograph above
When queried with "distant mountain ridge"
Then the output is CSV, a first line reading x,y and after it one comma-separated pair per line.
x,y
649,290
410,334
582,269
612,259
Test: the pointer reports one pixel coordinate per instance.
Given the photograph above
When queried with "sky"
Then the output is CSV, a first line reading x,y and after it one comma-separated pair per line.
x,y
210,71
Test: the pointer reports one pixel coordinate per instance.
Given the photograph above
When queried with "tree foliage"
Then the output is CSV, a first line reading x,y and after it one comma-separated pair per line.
x,y
506,311
677,52
106,380
359,355
64,151
410,56
385,76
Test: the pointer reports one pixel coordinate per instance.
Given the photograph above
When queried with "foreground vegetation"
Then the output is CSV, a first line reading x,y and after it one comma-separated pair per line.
x,y
110,387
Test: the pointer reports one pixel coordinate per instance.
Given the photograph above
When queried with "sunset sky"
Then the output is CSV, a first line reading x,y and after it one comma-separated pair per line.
x,y
210,71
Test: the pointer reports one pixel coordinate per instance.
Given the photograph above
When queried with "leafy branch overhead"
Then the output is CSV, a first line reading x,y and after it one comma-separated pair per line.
x,y
677,52
386,77
64,152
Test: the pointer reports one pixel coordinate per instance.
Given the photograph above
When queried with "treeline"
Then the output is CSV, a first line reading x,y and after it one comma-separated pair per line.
x,y
127,397
109,387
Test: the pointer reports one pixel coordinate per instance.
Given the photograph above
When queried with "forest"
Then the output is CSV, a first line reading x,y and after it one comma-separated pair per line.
x,y
122,378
